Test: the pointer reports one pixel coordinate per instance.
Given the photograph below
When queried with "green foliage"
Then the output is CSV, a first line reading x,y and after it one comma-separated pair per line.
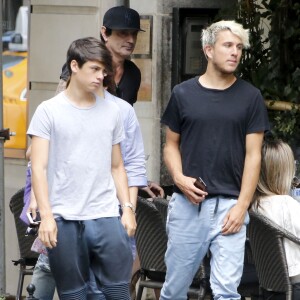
x,y
272,63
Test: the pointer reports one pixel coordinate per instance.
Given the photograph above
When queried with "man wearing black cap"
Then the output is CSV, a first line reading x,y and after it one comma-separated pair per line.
x,y
119,33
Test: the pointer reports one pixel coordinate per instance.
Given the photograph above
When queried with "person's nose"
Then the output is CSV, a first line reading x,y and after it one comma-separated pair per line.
x,y
235,51
101,75
131,38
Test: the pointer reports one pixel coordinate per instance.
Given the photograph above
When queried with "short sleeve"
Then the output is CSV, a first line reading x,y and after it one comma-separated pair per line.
x,y
258,117
118,133
40,124
171,116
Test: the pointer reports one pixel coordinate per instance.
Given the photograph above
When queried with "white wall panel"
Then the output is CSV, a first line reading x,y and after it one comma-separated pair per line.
x,y
53,26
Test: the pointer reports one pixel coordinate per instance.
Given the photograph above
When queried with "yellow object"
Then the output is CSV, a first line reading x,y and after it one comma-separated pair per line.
x,y
14,97
281,105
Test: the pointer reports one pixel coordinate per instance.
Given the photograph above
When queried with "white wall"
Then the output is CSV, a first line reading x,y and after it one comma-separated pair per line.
x,y
54,24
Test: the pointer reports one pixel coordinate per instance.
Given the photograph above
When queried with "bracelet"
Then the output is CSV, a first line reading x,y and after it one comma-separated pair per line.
x,y
128,204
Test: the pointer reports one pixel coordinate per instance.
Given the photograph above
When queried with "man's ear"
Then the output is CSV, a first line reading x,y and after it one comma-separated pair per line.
x,y
103,33
74,66
208,51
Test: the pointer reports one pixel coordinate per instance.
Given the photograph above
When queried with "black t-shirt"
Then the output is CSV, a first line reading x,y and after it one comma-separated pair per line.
x,y
213,125
129,85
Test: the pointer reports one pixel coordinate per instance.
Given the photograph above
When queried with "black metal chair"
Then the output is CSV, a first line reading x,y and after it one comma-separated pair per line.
x,y
151,240
27,258
266,239
162,206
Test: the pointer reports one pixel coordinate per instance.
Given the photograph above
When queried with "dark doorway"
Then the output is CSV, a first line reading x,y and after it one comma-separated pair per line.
x,y
188,59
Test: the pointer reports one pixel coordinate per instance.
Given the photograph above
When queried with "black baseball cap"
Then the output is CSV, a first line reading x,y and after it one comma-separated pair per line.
x,y
121,17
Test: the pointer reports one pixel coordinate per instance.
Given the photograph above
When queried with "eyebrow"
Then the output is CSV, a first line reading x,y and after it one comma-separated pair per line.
x,y
230,42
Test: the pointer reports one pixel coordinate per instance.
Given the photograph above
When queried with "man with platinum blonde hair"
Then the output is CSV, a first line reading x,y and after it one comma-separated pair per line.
x,y
215,124
209,35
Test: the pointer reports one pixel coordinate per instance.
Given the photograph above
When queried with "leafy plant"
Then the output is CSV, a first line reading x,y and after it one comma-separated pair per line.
x,y
272,63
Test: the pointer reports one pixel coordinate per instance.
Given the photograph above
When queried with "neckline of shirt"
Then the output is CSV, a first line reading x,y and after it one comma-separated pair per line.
x,y
97,100
215,90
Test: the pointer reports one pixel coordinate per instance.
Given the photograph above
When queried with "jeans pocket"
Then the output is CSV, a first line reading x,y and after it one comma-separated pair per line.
x,y
180,208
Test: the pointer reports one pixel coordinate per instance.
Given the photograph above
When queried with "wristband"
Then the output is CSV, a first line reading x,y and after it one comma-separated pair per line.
x,y
128,204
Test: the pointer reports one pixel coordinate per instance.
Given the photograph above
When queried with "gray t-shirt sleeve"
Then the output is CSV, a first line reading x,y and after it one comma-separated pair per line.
x,y
118,133
40,123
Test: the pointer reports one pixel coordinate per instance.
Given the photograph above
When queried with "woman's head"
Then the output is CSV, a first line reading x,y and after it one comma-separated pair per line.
x,y
277,169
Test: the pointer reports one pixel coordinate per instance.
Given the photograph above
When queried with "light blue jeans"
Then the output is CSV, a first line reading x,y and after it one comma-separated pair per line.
x,y
191,233
42,279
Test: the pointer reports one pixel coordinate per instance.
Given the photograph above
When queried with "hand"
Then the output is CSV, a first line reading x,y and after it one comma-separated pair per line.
x,y
234,220
186,185
128,221
48,232
154,190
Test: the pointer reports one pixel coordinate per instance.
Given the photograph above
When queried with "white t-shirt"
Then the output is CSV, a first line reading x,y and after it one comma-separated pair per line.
x,y
80,183
284,211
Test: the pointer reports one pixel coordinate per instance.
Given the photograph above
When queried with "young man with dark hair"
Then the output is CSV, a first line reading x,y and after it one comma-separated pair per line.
x,y
79,179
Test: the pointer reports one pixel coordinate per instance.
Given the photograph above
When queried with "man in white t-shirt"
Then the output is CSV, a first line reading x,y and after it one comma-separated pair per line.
x,y
79,179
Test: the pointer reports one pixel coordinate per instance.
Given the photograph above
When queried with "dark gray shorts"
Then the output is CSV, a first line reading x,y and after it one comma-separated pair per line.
x,y
101,244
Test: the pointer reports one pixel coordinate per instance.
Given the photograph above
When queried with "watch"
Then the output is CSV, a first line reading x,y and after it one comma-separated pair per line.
x,y
128,204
